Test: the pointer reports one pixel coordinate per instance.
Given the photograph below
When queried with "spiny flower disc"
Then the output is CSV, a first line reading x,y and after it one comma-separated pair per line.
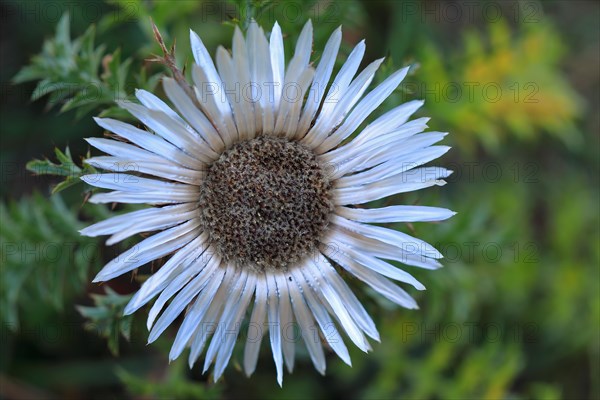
x,y
265,203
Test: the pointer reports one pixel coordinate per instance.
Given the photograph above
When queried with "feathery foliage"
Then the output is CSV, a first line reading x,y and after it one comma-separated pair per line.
x,y
45,262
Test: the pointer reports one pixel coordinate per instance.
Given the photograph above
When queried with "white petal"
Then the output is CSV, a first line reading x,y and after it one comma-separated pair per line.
x,y
380,284
146,220
389,121
171,130
291,106
145,140
204,265
192,114
256,326
411,153
399,239
231,87
301,58
391,166
149,249
297,78
321,79
307,324
159,168
278,64
264,76
343,78
127,151
377,248
253,47
275,326
194,317
352,304
336,92
363,110
304,45
352,157
352,95
211,97
161,278
206,65
220,337
405,182
329,296
155,197
242,80
134,183
409,174
181,301
182,136
210,322
326,324
287,327
234,320
191,142
381,267
152,102
395,214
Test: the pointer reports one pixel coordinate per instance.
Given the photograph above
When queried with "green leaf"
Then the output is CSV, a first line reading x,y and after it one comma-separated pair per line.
x,y
45,261
75,74
67,168
106,317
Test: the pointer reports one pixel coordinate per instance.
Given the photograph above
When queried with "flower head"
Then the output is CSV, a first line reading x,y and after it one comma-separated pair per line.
x,y
256,176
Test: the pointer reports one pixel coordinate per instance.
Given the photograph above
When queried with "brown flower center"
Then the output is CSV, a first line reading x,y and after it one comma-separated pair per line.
x,y
265,203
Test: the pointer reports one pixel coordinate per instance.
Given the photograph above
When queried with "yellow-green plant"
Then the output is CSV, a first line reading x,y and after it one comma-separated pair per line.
x,y
503,85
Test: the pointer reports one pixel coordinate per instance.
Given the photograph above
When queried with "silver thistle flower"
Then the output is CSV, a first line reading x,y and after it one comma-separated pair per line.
x,y
252,178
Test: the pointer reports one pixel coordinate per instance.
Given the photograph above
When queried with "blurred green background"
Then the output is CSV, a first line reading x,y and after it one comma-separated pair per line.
x,y
515,313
